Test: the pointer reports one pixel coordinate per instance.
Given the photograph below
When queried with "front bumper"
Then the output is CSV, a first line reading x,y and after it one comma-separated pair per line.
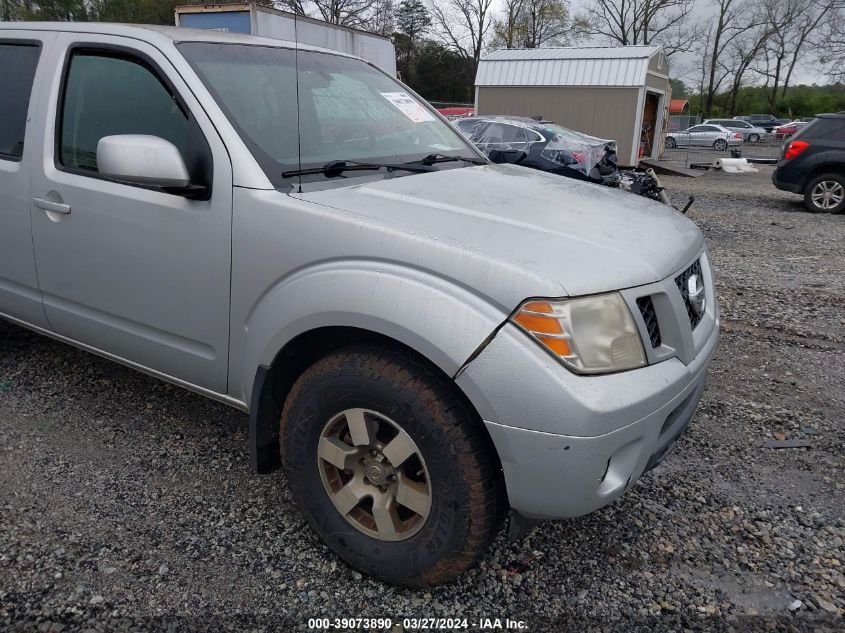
x,y
571,444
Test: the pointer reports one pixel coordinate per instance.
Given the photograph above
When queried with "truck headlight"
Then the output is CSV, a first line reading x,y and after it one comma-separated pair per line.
x,y
590,335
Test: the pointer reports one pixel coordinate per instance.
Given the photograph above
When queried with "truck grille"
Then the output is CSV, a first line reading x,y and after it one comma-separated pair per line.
x,y
646,307
694,304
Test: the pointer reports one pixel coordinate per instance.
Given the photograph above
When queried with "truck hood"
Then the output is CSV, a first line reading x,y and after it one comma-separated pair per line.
x,y
514,226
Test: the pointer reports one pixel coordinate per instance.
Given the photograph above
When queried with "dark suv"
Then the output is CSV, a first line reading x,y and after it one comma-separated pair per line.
x,y
765,121
813,164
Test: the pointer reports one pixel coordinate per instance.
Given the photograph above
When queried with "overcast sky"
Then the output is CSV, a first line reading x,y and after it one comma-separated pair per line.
x,y
686,66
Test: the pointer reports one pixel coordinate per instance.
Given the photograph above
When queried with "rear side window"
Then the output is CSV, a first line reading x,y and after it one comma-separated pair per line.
x,y
17,72
826,129
109,94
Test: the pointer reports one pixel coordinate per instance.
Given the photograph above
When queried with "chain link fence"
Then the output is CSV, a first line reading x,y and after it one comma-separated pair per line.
x,y
678,122
706,149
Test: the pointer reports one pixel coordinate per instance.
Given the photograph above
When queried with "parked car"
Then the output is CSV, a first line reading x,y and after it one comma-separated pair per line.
x,y
715,136
543,145
813,164
454,112
549,147
788,129
424,340
750,133
765,121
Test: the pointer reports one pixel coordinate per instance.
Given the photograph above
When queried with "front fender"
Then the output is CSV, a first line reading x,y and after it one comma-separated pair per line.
x,y
441,320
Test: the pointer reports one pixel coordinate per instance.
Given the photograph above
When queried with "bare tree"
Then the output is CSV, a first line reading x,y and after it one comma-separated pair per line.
x,y
533,23
806,26
375,16
830,46
463,25
382,18
742,53
294,6
546,22
507,28
734,19
354,13
794,26
629,22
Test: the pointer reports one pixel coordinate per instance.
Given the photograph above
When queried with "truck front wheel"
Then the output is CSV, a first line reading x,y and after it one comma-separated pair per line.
x,y
390,467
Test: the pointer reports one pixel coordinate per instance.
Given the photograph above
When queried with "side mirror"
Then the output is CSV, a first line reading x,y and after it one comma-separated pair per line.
x,y
145,160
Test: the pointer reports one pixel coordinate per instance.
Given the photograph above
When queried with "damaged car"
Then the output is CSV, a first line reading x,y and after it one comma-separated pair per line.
x,y
543,145
550,147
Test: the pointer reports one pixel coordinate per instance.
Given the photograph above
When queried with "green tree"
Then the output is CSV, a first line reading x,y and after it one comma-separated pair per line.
x,y
798,101
443,74
679,89
412,22
50,10
134,11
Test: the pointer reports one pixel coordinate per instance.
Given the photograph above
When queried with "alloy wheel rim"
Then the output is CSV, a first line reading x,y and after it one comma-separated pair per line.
x,y
827,194
374,474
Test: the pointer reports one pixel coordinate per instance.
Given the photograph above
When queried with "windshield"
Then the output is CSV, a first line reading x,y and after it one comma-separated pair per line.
x,y
347,110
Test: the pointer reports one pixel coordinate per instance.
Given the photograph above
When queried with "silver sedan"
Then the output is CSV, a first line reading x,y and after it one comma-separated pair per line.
x,y
715,136
750,133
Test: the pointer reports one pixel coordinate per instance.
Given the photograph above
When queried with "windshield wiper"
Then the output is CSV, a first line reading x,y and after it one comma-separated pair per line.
x,y
335,168
431,159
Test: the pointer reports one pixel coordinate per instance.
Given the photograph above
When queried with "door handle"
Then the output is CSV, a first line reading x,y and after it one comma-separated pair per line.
x,y
49,205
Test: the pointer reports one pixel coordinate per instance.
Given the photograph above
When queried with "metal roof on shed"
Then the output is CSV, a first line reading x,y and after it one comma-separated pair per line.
x,y
586,66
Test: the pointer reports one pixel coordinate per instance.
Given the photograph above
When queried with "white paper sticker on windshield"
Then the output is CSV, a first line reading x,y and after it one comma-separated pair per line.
x,y
408,106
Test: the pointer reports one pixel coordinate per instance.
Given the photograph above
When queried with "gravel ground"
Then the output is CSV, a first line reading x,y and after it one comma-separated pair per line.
x,y
127,503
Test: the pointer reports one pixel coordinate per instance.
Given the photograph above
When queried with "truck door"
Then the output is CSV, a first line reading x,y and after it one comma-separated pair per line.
x,y
19,55
138,273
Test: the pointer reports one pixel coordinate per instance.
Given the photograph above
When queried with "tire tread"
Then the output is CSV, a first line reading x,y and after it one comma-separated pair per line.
x,y
462,425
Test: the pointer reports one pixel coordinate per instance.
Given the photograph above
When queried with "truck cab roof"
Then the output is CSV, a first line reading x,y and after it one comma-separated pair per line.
x,y
162,35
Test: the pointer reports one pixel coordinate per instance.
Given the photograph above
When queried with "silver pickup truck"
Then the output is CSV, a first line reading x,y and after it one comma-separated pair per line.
x,y
424,341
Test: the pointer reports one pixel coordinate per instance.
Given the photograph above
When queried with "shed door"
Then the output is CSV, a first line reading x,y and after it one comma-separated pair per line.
x,y
649,122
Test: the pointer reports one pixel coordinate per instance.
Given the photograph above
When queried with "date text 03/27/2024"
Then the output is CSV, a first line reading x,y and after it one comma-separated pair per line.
x,y
417,624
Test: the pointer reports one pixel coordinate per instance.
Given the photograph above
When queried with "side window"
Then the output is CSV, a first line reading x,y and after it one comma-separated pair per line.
x,y
828,129
108,94
477,131
17,72
837,129
514,134
514,138
467,126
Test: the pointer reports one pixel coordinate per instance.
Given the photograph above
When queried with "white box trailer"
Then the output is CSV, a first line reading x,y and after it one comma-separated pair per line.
x,y
248,17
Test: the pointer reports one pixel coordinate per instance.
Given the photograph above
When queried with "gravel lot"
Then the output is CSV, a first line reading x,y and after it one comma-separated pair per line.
x,y
127,503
